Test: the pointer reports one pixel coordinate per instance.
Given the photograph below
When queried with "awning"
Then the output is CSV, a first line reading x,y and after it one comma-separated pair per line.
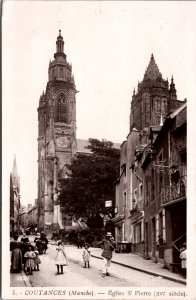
x,y
118,218
177,243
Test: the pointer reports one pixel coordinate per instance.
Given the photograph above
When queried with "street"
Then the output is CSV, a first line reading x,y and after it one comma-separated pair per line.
x,y
76,275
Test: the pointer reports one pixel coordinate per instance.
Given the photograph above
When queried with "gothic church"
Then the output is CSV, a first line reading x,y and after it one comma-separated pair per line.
x,y
57,143
153,100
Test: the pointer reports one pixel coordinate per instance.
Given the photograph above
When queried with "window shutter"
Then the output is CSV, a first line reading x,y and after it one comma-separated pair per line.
x,y
131,235
157,228
123,231
164,229
142,231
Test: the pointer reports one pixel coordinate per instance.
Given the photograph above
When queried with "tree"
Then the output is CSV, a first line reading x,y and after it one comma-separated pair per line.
x,y
91,183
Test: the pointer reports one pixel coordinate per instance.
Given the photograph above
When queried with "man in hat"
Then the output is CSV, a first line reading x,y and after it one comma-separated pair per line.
x,y
108,246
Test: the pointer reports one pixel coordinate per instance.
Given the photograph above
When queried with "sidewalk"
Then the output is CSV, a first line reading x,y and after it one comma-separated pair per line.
x,y
139,263
19,280
132,261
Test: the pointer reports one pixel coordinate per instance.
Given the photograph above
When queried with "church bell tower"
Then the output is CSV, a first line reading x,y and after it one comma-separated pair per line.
x,y
56,136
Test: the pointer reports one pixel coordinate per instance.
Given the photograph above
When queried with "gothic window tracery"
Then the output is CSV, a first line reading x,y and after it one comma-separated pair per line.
x,y
61,109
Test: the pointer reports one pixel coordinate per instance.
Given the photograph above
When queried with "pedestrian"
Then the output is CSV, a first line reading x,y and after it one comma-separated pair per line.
x,y
16,255
44,242
61,258
79,241
183,259
86,256
38,243
108,247
25,239
37,260
30,255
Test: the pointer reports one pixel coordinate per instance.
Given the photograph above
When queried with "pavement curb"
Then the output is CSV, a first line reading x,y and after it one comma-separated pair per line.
x,y
145,271
25,279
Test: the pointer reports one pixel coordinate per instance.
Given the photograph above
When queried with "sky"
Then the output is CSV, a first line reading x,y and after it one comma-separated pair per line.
x,y
109,45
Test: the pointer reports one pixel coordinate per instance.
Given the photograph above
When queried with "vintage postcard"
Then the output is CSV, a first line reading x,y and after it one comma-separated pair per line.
x,y
96,151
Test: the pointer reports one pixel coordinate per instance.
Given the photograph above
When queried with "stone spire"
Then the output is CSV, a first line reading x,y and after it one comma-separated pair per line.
x,y
152,71
172,90
15,177
59,46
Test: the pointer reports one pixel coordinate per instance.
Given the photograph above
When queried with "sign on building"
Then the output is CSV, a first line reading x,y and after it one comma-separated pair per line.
x,y
108,203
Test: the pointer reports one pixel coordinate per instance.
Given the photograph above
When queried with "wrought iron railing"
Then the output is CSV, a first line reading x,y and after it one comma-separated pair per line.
x,y
174,192
137,207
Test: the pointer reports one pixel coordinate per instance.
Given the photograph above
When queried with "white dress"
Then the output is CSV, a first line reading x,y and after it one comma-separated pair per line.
x,y
30,255
183,259
86,255
61,258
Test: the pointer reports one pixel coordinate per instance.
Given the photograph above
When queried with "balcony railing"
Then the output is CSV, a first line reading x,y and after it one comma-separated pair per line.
x,y
174,193
139,206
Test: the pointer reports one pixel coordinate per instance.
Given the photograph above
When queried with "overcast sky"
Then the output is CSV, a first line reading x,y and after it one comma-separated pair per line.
x,y
109,45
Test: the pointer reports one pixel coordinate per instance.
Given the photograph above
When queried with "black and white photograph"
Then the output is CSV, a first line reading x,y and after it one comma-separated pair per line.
x,y
98,183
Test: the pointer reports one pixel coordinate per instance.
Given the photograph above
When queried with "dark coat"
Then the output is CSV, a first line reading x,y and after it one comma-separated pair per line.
x,y
16,257
108,248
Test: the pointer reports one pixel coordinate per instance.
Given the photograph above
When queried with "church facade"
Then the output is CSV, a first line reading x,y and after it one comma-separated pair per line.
x,y
57,143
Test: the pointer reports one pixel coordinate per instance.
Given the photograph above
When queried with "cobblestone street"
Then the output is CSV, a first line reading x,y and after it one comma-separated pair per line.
x,y
76,275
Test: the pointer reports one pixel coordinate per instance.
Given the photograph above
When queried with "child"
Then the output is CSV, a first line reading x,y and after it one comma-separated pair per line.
x,y
86,256
37,260
61,259
183,259
30,255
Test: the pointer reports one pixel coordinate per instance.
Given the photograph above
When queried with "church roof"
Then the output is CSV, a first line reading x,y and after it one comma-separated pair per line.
x,y
152,71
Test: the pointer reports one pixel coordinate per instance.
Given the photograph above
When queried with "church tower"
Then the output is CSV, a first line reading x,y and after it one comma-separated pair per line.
x,y
153,100
56,136
14,199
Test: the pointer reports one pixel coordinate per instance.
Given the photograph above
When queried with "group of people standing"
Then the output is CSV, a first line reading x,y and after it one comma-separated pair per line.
x,y
23,253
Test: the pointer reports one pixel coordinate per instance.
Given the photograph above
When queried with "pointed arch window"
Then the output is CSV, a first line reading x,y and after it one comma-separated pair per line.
x,y
61,109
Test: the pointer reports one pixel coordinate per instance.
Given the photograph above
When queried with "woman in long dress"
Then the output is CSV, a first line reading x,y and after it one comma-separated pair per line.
x,y
16,255
61,259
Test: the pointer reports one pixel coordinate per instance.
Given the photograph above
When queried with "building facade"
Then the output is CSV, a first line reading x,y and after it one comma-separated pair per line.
x,y
14,200
23,217
153,101
165,191
33,216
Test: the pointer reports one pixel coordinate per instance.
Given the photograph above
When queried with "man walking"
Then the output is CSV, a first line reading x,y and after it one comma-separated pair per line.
x,y
108,247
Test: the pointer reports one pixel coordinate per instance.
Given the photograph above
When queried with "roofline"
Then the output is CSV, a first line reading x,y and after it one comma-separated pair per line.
x,y
177,111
